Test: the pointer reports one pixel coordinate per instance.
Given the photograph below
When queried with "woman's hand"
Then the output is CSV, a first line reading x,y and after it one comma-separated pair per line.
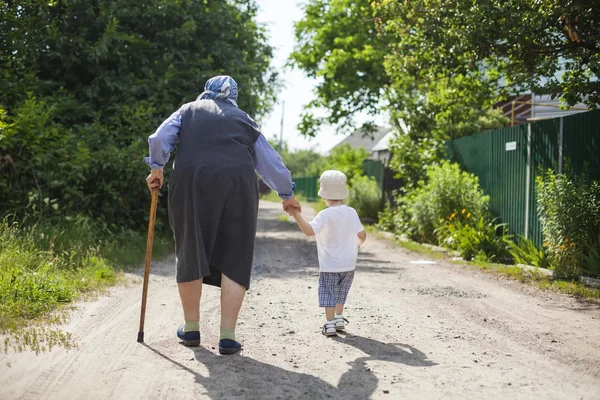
x,y
290,204
155,179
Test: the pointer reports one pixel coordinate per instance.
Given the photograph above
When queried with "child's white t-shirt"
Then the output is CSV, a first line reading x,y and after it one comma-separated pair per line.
x,y
336,230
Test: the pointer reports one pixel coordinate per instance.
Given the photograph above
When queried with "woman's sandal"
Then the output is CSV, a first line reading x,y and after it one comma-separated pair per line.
x,y
189,338
228,346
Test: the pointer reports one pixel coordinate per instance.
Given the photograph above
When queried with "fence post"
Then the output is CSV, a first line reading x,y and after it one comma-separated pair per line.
x,y
528,181
560,145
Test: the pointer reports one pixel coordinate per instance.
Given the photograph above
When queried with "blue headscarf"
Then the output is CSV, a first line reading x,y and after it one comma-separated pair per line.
x,y
220,87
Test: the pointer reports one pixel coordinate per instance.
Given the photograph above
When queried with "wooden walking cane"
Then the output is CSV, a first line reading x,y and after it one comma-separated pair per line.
x,y
140,338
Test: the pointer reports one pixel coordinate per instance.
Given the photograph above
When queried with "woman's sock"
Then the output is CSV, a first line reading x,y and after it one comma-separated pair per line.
x,y
191,326
227,333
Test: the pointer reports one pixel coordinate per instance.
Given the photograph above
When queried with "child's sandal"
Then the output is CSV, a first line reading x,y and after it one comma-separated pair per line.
x,y
329,329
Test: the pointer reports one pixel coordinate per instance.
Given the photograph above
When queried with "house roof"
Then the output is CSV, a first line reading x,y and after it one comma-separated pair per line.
x,y
384,143
358,139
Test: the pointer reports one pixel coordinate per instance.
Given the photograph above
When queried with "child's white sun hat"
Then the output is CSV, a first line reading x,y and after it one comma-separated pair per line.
x,y
333,185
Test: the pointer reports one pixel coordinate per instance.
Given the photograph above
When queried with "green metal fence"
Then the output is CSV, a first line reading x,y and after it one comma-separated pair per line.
x,y
374,169
307,186
508,161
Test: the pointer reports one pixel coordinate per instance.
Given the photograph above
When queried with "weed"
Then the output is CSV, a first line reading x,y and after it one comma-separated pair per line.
x,y
526,252
46,268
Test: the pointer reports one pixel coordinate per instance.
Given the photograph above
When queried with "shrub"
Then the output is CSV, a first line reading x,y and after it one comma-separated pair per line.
x,y
72,139
447,191
591,259
365,197
387,219
526,252
569,211
47,265
346,159
481,240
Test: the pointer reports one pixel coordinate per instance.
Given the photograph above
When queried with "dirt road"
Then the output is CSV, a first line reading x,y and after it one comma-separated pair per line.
x,y
416,332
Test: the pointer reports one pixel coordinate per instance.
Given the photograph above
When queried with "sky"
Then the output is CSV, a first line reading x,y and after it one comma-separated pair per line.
x,y
280,15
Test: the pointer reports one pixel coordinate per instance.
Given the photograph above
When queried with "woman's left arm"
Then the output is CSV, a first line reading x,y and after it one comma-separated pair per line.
x,y
271,169
162,142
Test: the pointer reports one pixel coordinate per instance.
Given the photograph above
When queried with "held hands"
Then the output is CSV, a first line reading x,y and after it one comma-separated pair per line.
x,y
291,206
155,179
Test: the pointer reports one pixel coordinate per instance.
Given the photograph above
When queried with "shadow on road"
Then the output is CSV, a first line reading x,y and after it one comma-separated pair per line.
x,y
393,352
238,376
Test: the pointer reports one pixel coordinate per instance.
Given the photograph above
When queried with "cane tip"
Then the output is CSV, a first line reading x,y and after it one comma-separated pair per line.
x,y
140,337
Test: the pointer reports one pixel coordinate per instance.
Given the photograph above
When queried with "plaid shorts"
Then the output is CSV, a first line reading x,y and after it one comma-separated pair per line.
x,y
334,287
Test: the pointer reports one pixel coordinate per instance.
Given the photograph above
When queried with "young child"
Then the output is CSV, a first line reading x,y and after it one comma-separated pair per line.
x,y
339,234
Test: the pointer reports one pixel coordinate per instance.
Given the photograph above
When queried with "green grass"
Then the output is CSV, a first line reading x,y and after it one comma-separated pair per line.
x,y
316,205
407,244
272,196
44,269
536,278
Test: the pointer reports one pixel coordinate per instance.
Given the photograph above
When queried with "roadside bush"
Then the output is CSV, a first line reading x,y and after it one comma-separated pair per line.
x,y
526,252
73,138
389,221
446,191
44,266
569,211
365,197
591,259
39,271
479,240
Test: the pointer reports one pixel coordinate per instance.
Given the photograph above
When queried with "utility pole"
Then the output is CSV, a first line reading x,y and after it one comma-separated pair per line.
x,y
281,127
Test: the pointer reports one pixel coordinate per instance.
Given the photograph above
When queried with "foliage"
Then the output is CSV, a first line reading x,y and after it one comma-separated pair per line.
x,y
481,240
337,42
388,222
47,266
84,83
461,54
434,110
411,157
556,49
299,162
426,108
447,191
346,159
365,197
526,252
569,211
440,67
591,259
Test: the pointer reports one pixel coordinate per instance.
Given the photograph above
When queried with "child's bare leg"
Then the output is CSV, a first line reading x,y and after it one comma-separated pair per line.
x,y
329,313
339,309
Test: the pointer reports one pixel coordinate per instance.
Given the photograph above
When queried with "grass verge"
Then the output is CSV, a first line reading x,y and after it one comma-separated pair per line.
x,y
407,244
536,278
45,268
316,205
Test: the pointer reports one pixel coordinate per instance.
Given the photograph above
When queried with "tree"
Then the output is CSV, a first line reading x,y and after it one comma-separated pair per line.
x,y
425,108
348,160
338,43
84,83
372,53
550,47
300,162
440,66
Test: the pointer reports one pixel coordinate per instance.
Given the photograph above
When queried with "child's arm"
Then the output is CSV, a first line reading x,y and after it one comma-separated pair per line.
x,y
304,226
362,236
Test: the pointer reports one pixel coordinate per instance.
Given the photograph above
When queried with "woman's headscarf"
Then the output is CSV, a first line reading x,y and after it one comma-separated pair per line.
x,y
220,87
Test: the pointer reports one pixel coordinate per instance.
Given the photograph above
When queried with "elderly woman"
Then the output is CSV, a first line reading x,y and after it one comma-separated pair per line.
x,y
213,200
